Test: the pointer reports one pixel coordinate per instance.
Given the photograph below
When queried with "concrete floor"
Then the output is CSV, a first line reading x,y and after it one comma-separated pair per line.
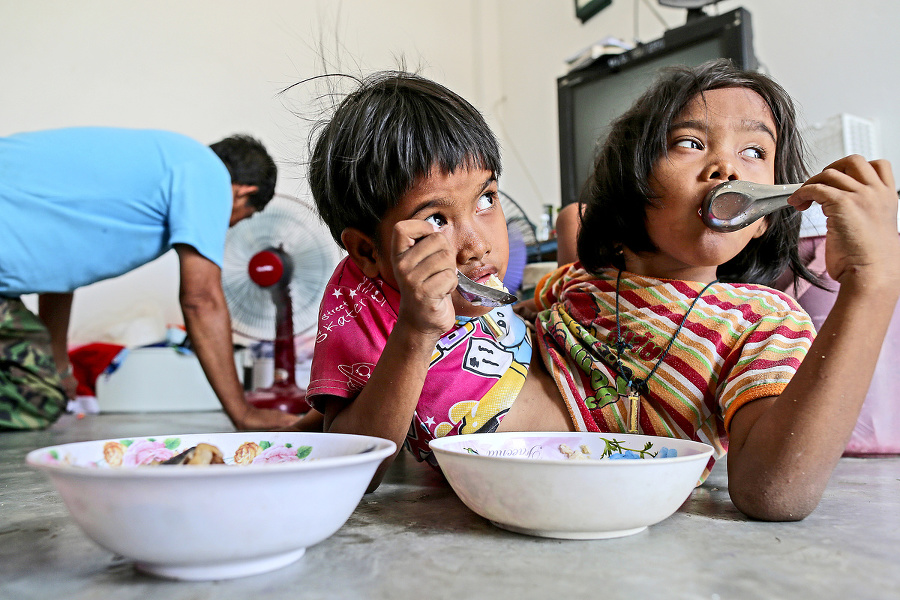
x,y
413,538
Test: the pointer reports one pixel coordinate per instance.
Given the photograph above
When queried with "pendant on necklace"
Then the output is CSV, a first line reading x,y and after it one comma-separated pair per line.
x,y
634,402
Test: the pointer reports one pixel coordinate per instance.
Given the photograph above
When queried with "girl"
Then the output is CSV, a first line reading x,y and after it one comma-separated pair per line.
x,y
666,328
405,176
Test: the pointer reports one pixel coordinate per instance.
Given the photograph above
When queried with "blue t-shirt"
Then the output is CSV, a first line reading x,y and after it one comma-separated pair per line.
x,y
84,204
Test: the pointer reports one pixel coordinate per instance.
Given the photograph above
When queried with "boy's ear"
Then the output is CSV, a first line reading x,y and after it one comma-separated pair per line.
x,y
362,251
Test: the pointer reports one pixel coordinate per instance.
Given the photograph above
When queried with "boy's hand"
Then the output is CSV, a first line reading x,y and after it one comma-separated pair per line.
x,y
859,198
527,309
425,270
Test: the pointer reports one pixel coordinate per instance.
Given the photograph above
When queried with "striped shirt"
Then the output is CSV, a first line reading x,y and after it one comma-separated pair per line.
x,y
740,342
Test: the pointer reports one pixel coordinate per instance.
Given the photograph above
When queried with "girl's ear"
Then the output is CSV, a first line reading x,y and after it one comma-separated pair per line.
x,y
761,227
362,251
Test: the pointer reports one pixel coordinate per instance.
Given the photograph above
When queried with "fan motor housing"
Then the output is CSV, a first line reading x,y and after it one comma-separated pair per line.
x,y
266,268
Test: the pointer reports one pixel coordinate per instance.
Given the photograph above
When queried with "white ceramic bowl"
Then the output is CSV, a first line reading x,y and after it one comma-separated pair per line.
x,y
523,482
218,521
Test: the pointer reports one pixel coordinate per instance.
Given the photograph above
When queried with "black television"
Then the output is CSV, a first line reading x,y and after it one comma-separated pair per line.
x,y
591,97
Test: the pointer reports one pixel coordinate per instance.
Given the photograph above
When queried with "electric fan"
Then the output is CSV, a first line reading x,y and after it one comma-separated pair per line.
x,y
274,273
522,233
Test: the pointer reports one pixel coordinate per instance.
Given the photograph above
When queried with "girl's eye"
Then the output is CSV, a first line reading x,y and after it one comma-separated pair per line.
x,y
436,219
688,143
754,153
486,201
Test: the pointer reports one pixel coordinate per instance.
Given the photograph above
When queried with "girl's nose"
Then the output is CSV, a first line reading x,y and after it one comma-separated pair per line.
x,y
721,169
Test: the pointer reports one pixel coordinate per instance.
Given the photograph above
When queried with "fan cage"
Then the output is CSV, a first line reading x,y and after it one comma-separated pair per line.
x,y
293,227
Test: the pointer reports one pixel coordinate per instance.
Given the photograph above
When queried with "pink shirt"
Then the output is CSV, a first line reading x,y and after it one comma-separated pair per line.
x,y
476,371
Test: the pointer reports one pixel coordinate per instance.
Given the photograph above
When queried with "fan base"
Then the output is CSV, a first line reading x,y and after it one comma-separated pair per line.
x,y
285,397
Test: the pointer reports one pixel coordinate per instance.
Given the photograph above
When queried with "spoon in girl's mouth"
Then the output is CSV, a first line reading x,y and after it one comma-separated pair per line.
x,y
733,205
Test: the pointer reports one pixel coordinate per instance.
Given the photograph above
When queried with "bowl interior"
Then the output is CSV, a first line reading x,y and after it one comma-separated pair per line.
x,y
575,446
251,449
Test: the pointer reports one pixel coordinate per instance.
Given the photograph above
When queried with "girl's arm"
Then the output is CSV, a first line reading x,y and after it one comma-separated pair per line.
x,y
425,271
782,450
568,222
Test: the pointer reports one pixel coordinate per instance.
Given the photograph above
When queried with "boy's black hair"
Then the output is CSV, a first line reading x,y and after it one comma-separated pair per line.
x,y
394,128
249,163
618,192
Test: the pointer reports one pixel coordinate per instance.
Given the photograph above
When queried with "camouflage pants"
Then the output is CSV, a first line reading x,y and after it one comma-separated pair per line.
x,y
30,392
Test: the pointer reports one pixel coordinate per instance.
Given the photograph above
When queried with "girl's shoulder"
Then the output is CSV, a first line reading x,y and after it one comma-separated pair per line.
x,y
761,294
761,308
753,302
568,280
575,274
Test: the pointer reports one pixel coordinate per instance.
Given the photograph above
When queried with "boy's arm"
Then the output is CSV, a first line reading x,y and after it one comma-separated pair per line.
x,y
782,450
386,404
425,272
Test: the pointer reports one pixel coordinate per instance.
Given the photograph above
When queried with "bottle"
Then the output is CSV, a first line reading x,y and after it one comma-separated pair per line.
x,y
545,230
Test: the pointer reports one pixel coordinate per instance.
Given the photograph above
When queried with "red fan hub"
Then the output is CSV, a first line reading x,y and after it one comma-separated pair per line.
x,y
266,268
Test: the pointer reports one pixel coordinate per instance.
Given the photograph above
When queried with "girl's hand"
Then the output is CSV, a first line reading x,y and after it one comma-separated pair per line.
x,y
425,270
859,199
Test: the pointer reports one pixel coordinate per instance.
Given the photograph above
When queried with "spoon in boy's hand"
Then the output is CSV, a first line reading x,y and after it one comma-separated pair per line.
x,y
475,293
482,295
733,205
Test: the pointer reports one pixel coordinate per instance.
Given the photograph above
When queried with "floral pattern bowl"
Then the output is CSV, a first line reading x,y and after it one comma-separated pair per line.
x,y
276,495
571,485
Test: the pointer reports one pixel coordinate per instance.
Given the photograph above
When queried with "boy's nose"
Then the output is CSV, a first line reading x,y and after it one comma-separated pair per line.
x,y
472,245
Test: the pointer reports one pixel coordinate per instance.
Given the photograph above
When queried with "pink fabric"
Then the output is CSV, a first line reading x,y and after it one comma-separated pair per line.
x,y
475,374
877,429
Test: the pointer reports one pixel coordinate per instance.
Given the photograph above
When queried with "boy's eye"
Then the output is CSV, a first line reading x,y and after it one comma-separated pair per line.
x,y
486,201
436,219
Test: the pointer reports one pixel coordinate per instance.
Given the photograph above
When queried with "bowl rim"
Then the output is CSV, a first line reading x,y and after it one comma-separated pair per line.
x,y
438,445
382,448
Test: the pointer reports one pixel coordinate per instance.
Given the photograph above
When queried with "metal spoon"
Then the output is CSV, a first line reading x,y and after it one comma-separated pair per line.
x,y
482,295
733,205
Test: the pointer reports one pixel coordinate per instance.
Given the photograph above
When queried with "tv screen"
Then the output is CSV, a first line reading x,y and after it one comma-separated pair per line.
x,y
590,98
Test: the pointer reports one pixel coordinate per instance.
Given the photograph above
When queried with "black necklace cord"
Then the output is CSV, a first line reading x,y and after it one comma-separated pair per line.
x,y
639,383
621,345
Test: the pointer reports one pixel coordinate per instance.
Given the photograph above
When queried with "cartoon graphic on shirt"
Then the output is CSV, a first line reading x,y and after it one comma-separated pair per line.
x,y
489,358
456,337
357,374
486,358
483,416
